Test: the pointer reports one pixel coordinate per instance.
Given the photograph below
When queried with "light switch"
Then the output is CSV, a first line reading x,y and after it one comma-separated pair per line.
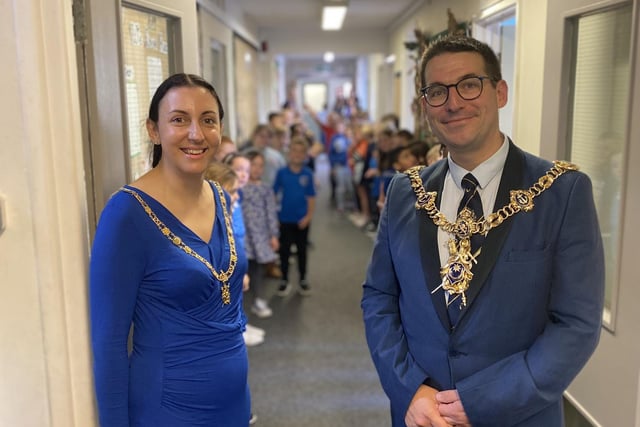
x,y
3,215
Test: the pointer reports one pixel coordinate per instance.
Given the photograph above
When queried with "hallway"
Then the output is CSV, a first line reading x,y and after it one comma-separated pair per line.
x,y
314,368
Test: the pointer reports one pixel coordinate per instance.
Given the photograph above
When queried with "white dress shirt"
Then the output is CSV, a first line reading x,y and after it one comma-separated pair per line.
x,y
487,173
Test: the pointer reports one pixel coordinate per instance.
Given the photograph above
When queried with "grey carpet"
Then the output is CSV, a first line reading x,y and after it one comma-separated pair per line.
x,y
314,369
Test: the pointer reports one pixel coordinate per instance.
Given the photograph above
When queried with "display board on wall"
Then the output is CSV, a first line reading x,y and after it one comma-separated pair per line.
x,y
147,47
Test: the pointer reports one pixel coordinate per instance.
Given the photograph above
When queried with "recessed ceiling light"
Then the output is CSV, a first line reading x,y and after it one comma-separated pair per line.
x,y
333,17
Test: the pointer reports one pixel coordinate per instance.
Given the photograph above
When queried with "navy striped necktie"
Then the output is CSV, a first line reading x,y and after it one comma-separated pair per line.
x,y
472,201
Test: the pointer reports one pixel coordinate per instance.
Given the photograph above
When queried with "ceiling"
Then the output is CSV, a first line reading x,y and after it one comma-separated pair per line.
x,y
274,15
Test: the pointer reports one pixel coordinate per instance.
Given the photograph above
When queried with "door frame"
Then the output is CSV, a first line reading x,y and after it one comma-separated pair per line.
x,y
610,378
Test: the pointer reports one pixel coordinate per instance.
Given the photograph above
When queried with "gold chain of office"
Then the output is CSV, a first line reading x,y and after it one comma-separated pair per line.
x,y
456,273
222,276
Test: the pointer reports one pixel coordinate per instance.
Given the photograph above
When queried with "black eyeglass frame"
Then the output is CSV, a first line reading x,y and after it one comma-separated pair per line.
x,y
424,89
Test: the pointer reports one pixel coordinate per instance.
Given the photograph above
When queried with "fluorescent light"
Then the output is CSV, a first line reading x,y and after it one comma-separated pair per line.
x,y
329,57
332,17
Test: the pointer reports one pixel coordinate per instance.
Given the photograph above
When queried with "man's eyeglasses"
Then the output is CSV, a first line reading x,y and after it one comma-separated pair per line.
x,y
468,88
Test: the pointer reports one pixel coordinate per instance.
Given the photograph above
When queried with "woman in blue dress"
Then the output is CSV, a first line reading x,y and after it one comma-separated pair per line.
x,y
164,260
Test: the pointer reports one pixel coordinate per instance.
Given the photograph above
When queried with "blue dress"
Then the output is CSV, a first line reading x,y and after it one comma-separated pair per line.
x,y
188,365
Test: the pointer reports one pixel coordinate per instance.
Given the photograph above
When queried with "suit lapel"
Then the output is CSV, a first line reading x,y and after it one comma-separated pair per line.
x,y
511,179
428,236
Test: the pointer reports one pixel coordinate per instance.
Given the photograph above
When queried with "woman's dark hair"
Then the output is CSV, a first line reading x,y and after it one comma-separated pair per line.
x,y
177,80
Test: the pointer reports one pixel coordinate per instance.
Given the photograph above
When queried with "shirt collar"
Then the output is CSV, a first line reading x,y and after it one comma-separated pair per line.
x,y
485,171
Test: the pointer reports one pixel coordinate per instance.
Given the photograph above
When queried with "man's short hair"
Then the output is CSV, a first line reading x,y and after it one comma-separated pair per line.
x,y
459,43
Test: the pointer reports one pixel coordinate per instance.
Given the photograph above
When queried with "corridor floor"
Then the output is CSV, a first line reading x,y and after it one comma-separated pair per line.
x,y
314,369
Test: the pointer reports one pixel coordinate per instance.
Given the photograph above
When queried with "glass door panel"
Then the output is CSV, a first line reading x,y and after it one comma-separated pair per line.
x,y
599,113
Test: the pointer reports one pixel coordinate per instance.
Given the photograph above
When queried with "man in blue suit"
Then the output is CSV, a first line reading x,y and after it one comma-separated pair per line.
x,y
482,301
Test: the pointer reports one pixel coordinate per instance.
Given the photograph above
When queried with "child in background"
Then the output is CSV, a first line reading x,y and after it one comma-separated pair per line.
x,y
400,158
294,183
420,149
226,146
340,172
359,164
261,221
227,178
402,137
240,166
436,153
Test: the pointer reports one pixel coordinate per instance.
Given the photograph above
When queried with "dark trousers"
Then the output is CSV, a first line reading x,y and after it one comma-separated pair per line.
x,y
256,275
290,234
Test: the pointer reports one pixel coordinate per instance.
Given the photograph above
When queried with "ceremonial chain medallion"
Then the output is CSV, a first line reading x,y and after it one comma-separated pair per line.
x,y
456,273
221,276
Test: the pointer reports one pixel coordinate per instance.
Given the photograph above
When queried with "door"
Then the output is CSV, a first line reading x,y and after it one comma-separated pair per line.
x,y
125,49
591,92
246,88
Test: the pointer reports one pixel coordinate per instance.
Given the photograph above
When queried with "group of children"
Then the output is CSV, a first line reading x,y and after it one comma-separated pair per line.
x,y
267,217
364,157
274,191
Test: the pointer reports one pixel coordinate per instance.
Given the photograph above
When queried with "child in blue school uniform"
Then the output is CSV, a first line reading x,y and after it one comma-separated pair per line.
x,y
294,185
340,172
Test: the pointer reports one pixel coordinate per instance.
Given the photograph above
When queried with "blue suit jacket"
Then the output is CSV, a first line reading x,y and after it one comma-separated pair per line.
x,y
534,305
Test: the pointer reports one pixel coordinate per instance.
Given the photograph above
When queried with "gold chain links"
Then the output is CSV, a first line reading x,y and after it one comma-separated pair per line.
x,y
520,200
222,276
457,272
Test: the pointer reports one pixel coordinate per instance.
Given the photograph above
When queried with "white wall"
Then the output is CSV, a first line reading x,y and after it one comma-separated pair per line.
x,y
531,24
375,61
44,355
